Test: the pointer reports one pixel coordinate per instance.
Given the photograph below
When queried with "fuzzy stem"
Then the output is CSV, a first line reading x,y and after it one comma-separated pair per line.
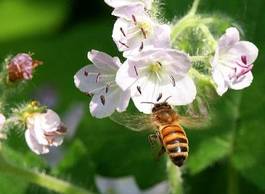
x,y
202,78
194,7
205,30
175,179
195,59
40,179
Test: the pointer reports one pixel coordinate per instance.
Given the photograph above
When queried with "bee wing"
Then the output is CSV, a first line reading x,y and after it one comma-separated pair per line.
x,y
133,121
194,122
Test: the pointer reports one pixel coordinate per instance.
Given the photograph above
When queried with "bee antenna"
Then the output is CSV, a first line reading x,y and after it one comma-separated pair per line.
x,y
148,103
167,98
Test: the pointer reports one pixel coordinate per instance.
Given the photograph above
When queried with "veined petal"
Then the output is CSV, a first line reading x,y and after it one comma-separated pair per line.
x,y
89,79
2,120
124,101
34,145
244,48
35,128
219,79
103,61
243,82
104,104
121,3
126,75
128,11
230,37
50,121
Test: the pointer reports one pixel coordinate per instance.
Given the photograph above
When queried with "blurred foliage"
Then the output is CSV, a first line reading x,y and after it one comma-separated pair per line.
x,y
61,32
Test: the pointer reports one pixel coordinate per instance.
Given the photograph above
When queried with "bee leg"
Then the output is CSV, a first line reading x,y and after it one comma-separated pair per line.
x,y
160,153
152,139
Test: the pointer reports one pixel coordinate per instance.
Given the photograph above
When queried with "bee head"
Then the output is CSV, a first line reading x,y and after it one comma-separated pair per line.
x,y
161,106
163,113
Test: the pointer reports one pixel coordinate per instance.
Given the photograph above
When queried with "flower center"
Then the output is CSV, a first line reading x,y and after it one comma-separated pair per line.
x,y
155,67
145,27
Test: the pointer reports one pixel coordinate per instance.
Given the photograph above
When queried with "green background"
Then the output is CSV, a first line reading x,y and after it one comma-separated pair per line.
x,y
228,158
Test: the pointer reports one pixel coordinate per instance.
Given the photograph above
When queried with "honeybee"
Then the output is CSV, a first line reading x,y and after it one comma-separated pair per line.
x,y
169,133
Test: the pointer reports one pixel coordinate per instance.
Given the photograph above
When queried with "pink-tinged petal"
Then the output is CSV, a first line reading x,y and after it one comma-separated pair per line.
x,y
242,82
244,48
119,34
118,185
34,145
220,81
104,104
124,101
88,79
57,141
128,11
161,36
230,37
159,188
2,120
184,92
50,121
126,75
35,128
103,61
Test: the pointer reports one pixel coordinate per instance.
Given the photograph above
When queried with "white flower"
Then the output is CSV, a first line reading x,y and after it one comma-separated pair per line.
x,y
135,30
121,3
99,80
233,62
44,130
127,185
2,122
157,75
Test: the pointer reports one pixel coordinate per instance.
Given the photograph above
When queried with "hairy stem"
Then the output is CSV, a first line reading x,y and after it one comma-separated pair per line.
x,y
40,179
175,179
194,7
203,78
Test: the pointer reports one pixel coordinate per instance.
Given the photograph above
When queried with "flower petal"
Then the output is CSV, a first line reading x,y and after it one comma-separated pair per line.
x,y
219,79
230,37
126,75
244,48
243,82
2,120
104,104
34,145
118,185
50,121
87,79
103,61
128,11
121,3
35,127
184,92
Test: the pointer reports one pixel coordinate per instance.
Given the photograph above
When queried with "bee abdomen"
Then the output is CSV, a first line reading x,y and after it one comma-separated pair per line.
x,y
176,143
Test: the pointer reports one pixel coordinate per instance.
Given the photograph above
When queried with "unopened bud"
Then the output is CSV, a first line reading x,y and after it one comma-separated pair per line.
x,y
21,67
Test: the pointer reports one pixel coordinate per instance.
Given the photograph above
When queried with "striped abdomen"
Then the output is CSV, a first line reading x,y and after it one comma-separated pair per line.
x,y
175,142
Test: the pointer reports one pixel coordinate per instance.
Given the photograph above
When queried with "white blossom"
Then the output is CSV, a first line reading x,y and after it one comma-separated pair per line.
x,y
156,75
2,123
233,62
127,185
43,131
99,80
120,3
135,30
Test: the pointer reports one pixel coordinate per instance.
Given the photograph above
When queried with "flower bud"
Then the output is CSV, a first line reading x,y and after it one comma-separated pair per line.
x,y
21,67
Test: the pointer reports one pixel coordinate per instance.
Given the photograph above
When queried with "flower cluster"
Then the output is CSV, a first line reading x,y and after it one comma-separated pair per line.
x,y
154,71
43,127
